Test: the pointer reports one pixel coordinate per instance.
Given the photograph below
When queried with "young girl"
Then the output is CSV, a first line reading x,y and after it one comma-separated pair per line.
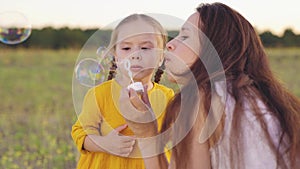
x,y
100,133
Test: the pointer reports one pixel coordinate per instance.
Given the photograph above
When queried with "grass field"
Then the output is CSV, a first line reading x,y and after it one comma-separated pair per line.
x,y
36,109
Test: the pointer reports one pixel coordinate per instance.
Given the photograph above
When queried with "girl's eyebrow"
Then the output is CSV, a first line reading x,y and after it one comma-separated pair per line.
x,y
146,42
125,43
141,43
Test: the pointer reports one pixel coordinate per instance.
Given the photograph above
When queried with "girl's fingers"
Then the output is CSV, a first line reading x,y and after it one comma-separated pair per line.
x,y
137,102
120,128
145,97
127,139
132,93
128,144
126,151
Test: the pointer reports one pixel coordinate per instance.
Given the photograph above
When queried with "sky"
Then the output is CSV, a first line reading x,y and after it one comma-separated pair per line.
x,y
273,15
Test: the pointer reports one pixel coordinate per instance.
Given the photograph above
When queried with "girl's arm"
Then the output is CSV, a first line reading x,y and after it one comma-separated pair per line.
x,y
86,132
112,143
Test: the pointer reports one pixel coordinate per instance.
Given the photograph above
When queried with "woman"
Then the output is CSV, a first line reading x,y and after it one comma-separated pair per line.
x,y
259,119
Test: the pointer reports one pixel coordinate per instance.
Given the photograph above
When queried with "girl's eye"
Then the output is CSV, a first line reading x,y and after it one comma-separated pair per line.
x,y
126,48
145,48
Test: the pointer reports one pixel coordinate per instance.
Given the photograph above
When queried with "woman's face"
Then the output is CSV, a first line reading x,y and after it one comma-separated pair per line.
x,y
183,50
137,41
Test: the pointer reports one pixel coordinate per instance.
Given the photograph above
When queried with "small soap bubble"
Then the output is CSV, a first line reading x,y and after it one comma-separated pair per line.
x,y
101,51
14,28
89,72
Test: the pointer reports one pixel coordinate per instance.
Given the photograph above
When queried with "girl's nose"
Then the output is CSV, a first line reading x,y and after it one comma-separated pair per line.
x,y
136,55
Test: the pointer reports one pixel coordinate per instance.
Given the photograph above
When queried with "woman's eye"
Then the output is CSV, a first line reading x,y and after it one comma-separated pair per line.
x,y
126,48
183,37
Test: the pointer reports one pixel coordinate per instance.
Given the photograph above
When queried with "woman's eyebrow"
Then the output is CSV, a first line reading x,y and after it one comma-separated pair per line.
x,y
184,28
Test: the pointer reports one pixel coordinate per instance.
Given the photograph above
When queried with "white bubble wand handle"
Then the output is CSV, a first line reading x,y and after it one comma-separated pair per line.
x,y
137,86
127,65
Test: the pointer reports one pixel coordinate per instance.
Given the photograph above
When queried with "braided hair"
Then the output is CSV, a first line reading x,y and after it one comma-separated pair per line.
x,y
112,69
159,72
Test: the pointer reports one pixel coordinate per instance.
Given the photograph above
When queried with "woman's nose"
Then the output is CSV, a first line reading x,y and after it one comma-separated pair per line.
x,y
170,46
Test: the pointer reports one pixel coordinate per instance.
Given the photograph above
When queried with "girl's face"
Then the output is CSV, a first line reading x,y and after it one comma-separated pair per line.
x,y
183,50
137,41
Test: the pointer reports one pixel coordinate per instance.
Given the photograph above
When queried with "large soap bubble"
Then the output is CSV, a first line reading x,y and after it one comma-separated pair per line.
x,y
14,28
94,62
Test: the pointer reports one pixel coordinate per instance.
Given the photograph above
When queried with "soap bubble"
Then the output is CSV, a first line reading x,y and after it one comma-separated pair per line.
x,y
101,51
91,69
94,57
89,72
14,28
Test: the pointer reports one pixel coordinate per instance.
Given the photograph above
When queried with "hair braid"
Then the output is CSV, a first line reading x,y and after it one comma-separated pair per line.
x,y
159,72
112,70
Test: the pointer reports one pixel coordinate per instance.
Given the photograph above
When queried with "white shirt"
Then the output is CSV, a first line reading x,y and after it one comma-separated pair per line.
x,y
256,152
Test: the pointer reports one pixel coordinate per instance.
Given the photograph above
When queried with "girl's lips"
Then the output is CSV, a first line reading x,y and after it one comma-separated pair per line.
x,y
136,68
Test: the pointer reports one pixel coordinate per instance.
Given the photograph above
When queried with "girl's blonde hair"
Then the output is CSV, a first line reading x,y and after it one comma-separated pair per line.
x,y
161,38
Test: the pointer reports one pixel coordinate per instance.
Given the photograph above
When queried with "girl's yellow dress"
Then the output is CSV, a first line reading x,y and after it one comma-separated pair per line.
x,y
100,115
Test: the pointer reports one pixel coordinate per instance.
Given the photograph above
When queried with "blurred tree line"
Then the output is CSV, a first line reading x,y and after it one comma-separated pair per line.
x,y
51,38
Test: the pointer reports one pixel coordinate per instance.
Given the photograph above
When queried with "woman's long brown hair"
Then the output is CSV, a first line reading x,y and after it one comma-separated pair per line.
x,y
248,72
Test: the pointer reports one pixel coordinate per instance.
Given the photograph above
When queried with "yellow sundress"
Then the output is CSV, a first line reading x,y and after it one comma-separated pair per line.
x,y
100,115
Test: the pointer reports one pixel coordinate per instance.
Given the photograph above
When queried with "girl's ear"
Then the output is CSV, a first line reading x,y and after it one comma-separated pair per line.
x,y
115,56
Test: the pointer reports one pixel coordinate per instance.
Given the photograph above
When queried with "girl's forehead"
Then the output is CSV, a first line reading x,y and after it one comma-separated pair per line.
x,y
144,38
136,28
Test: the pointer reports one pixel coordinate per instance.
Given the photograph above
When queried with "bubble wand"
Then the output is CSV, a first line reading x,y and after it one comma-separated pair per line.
x,y
137,86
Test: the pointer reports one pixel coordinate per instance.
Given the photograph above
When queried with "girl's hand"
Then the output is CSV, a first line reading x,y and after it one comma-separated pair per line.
x,y
140,102
116,144
138,113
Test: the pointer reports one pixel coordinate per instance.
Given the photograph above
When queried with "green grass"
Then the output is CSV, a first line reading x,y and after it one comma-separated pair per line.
x,y
285,63
36,109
